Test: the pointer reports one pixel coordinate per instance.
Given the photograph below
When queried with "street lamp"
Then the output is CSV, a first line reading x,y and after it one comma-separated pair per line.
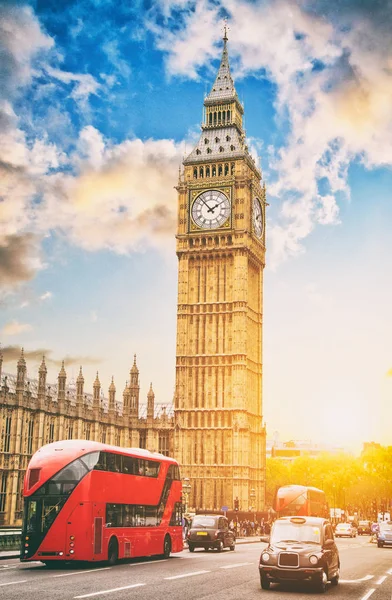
x,y
186,490
252,497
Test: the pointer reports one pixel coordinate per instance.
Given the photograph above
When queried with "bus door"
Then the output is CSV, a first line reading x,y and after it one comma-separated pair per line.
x,y
78,532
98,531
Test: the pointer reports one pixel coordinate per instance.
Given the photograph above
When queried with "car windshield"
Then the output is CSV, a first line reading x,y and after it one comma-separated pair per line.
x,y
343,526
285,531
386,526
363,523
203,522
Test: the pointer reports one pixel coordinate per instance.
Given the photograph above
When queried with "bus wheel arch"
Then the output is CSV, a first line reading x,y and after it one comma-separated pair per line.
x,y
113,550
167,546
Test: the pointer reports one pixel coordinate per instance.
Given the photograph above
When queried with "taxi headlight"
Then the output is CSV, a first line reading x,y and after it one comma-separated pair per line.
x,y
265,557
313,559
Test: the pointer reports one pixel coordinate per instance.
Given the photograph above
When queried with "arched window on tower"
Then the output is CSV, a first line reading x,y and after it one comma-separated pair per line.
x,y
210,118
201,172
220,170
195,173
214,170
215,118
232,168
219,116
226,169
208,172
228,116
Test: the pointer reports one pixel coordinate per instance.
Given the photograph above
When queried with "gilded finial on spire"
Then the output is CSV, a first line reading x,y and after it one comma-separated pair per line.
x,y
225,28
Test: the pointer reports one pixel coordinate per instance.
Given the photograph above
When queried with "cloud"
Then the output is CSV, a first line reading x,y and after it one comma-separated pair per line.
x,y
46,296
20,258
15,328
122,196
12,354
21,42
84,84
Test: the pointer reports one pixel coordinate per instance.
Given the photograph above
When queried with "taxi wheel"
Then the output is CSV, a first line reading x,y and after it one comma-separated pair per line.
x,y
335,580
380,544
265,584
191,547
322,586
220,546
232,547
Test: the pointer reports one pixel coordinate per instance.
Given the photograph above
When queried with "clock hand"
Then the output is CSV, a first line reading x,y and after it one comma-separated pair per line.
x,y
214,207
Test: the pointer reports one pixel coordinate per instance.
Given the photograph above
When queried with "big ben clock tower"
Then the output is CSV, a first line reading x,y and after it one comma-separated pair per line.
x,y
219,431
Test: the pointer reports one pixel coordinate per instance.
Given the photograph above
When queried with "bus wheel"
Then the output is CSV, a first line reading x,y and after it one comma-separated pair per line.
x,y
113,551
167,546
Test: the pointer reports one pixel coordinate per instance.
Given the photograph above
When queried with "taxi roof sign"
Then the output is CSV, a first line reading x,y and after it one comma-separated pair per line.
x,y
297,520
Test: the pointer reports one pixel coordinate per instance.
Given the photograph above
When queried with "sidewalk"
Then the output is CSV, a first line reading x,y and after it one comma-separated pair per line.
x,y
242,540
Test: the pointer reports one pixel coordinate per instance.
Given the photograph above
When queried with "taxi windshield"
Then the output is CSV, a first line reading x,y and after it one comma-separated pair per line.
x,y
386,526
285,531
203,521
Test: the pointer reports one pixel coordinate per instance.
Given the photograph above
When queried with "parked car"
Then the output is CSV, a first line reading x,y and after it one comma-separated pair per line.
x,y
210,531
300,549
364,528
345,530
384,535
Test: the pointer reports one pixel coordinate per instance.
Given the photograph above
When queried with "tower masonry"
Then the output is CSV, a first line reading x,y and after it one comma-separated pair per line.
x,y
219,435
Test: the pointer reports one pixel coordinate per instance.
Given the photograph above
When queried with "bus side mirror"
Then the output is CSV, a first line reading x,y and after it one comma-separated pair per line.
x,y
108,524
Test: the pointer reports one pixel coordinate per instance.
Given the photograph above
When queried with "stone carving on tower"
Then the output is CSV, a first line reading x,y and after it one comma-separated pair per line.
x,y
219,435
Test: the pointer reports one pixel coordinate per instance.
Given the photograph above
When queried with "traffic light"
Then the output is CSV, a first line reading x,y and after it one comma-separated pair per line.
x,y
236,503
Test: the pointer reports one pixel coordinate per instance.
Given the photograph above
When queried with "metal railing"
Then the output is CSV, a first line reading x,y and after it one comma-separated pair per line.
x,y
10,539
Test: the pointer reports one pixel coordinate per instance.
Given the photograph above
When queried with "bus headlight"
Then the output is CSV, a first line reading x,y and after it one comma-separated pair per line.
x,y
71,537
313,559
72,551
265,557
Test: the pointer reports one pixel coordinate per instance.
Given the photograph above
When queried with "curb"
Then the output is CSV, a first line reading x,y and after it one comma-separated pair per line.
x,y
5,556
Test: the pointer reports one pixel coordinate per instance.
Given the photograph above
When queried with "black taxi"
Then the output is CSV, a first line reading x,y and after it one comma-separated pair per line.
x,y
210,531
300,549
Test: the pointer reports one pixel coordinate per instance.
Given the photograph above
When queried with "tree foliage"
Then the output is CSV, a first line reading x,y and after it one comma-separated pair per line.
x,y
357,484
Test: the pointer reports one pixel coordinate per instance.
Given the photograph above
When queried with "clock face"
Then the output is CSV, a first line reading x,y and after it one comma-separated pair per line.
x,y
211,209
257,218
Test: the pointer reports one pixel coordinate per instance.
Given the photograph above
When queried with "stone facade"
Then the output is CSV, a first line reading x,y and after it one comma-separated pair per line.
x,y
34,413
220,438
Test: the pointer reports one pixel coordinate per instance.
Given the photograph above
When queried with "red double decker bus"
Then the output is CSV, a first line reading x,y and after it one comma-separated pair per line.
x,y
292,500
86,501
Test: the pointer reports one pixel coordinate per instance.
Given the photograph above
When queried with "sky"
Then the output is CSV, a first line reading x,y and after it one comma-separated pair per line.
x,y
100,101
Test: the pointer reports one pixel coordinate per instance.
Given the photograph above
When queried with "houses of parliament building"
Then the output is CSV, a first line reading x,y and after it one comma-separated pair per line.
x,y
215,428
34,413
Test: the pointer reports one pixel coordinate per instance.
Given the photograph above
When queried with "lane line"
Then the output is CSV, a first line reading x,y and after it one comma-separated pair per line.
x,y
148,563
366,578
236,565
125,587
13,582
381,580
370,592
82,572
187,575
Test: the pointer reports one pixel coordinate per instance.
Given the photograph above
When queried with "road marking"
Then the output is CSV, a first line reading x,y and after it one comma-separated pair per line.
x,y
366,578
8,567
125,587
389,572
152,562
370,592
236,565
82,572
381,580
188,574
13,582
